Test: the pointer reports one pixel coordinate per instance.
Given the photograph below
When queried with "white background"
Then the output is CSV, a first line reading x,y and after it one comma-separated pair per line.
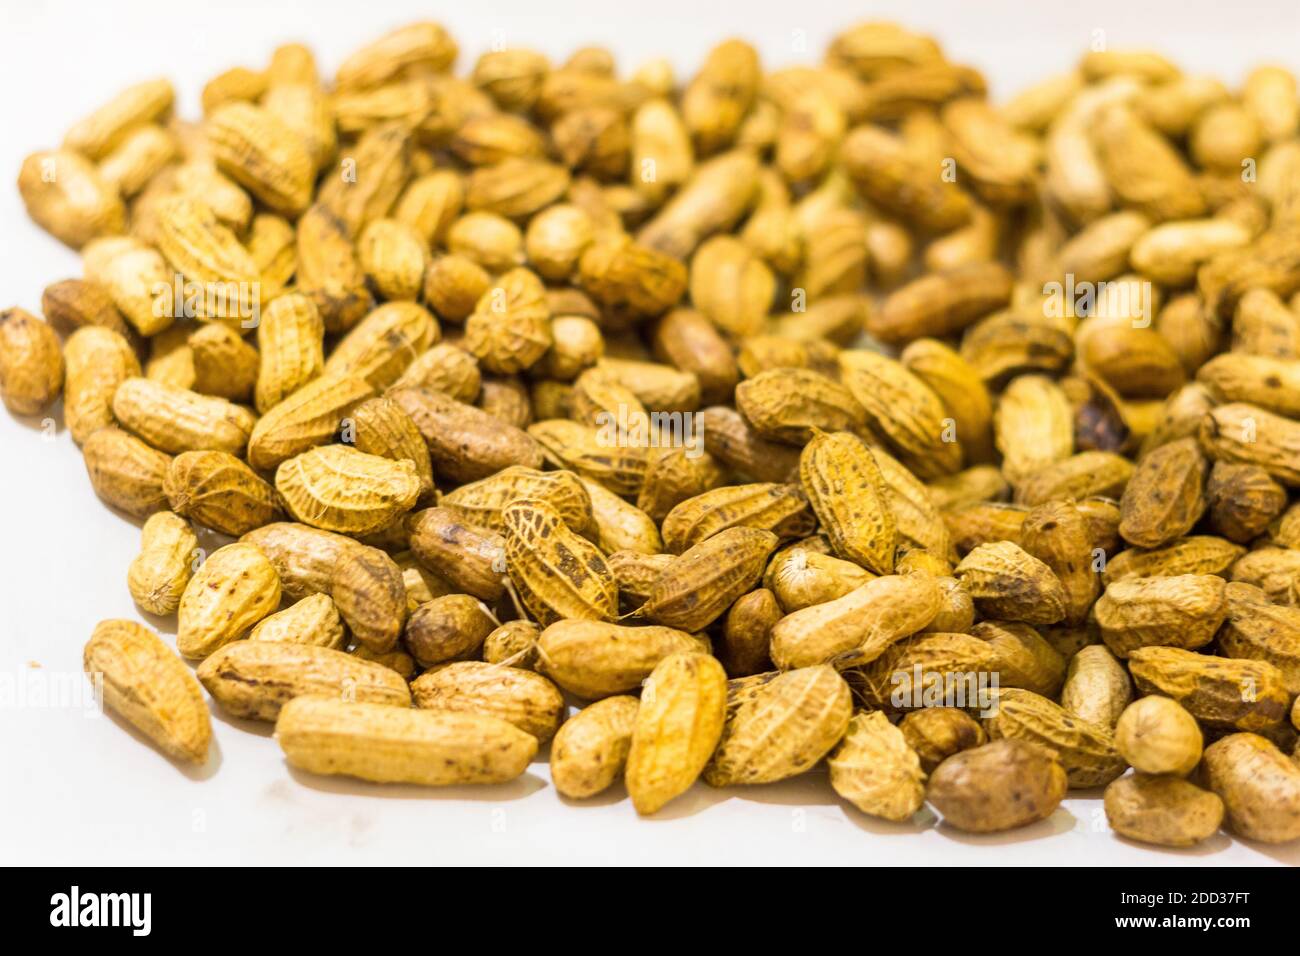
x,y
80,789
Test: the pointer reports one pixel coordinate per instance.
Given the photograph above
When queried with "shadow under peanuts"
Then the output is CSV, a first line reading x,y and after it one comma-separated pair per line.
x,y
919,822
1215,844
516,789
257,728
614,793
194,772
1288,853
48,422
1061,821
805,790
697,799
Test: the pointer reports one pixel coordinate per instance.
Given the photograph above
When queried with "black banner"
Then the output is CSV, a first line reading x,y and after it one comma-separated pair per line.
x,y
1073,904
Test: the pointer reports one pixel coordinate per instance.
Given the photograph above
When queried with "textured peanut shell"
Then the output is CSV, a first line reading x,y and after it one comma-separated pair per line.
x,y
1243,500
98,361
470,558
1156,735
507,400
936,733
861,625
231,591
688,341
176,420
802,576
291,349
513,644
890,680
1056,533
590,750
905,411
1257,629
480,503
98,133
1079,476
734,442
448,628
380,347
1000,786
65,195
1086,751
783,730
876,770
510,329
303,557
31,362
386,744
1166,495
1165,811
620,467
964,395
1218,691
1033,426
559,574
1097,687
786,404
956,608
1007,582
1183,611
137,280
526,700
465,443
328,271
382,428
781,509
224,364
1259,786
701,584
848,494
1195,554
125,472
313,620
620,526
593,659
159,573
307,417
337,488
1246,434
393,256
1023,657
262,154
677,728
676,475
149,686
370,593
219,491
1272,570
255,679
917,517
745,641
659,387
977,523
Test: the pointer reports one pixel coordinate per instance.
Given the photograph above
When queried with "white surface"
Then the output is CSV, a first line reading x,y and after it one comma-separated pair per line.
x,y
78,789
